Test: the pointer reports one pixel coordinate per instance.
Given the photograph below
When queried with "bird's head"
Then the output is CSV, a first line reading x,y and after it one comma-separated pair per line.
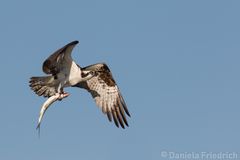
x,y
88,74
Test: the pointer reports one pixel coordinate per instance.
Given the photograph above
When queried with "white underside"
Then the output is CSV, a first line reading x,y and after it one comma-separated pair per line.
x,y
74,76
69,75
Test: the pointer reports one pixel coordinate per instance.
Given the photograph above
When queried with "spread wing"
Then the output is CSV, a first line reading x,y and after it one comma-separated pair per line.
x,y
59,60
106,94
59,65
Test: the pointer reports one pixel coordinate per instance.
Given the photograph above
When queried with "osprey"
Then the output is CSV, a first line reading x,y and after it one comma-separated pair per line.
x,y
97,79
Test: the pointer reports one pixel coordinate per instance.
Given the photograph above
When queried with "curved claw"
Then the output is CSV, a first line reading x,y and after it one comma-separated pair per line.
x,y
63,95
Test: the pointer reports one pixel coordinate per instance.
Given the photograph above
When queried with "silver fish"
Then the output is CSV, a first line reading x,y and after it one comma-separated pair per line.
x,y
47,104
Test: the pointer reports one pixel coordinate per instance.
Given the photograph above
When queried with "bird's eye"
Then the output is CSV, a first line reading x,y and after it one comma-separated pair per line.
x,y
94,73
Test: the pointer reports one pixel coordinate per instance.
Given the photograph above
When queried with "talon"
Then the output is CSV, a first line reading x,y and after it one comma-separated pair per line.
x,y
62,95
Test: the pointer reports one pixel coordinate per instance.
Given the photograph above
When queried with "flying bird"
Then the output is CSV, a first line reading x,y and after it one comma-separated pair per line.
x,y
97,79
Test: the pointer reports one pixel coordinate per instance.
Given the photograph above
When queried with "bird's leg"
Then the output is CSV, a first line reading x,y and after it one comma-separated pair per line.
x,y
62,95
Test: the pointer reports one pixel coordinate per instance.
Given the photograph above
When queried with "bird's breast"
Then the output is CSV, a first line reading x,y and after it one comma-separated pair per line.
x,y
74,75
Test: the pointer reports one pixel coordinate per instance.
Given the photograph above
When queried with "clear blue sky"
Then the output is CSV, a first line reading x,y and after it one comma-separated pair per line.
x,y
177,64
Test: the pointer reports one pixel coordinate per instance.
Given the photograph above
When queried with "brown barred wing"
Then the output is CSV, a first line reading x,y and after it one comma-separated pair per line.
x,y
106,94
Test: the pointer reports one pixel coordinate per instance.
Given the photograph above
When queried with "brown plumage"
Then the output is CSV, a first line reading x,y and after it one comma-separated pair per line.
x,y
97,79
106,94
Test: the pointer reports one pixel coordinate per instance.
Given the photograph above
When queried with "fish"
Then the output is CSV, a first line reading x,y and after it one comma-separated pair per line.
x,y
47,104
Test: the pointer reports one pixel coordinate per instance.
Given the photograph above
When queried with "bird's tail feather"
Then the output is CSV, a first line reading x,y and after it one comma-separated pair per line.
x,y
43,86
